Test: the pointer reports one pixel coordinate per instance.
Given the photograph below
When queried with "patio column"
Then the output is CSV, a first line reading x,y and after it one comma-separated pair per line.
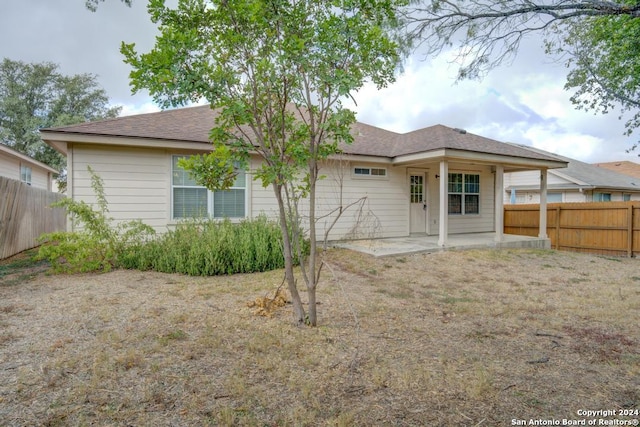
x,y
499,203
444,204
543,204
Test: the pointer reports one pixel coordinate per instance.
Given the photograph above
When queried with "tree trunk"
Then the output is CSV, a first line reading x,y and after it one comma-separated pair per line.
x,y
298,309
311,295
311,284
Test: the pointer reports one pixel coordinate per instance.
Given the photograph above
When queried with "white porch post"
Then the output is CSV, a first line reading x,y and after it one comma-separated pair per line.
x,y
499,203
543,204
444,204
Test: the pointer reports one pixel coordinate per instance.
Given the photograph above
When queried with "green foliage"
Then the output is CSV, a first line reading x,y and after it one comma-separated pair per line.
x,y
605,65
600,41
195,247
97,245
276,72
36,96
208,248
92,5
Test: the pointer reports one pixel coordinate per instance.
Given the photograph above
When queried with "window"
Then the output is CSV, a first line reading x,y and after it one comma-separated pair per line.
x,y
626,197
464,194
193,201
377,172
601,197
554,197
25,174
416,189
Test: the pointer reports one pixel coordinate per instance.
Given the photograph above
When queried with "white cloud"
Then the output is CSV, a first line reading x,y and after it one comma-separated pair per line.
x,y
132,109
522,102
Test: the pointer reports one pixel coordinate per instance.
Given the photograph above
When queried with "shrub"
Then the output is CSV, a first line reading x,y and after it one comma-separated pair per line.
x,y
207,248
194,247
97,243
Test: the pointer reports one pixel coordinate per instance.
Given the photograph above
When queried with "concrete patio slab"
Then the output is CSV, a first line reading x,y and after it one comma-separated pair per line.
x,y
418,244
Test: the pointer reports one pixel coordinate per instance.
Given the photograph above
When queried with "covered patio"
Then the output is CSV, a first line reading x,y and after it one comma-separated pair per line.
x,y
396,246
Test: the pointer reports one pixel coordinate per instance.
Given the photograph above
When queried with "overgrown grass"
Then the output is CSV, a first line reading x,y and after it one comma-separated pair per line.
x,y
194,247
210,248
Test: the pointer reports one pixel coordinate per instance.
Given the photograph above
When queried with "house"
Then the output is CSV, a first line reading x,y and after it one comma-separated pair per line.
x,y
433,181
18,166
578,182
624,167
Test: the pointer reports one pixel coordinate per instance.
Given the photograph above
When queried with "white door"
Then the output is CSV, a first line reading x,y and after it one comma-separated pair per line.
x,y
418,200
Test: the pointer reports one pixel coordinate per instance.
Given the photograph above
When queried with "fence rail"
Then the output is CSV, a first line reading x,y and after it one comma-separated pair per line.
x,y
606,228
26,213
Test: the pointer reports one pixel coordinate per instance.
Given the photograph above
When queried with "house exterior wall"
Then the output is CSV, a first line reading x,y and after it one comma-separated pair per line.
x,y
136,181
10,168
530,178
138,186
382,209
474,223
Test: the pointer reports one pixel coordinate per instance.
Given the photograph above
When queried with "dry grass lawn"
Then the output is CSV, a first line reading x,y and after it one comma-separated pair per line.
x,y
469,338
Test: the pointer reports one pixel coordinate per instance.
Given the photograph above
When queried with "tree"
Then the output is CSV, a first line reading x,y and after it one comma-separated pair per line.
x,y
598,38
605,54
276,72
92,5
36,96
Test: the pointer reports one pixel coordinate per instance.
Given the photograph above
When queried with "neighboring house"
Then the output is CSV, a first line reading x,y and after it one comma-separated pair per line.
x,y
624,167
21,167
578,182
432,181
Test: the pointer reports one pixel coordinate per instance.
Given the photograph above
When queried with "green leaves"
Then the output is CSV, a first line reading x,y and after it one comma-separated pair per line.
x,y
217,170
276,72
605,65
36,96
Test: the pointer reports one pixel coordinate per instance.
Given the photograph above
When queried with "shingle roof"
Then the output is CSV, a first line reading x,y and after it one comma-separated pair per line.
x,y
183,124
595,176
193,124
624,167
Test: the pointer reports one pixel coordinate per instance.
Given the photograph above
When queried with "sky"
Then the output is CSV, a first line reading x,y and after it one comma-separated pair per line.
x,y
523,102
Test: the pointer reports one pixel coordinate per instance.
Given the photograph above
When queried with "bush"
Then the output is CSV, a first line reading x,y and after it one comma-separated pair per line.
x,y
208,248
97,243
195,247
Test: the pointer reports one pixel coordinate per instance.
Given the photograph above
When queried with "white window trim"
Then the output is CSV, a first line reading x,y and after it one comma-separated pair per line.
x,y
28,174
369,175
210,196
601,194
463,193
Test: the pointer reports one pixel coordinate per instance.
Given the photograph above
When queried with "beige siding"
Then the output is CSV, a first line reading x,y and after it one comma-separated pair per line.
x,y
483,222
572,197
10,168
138,186
262,199
40,178
136,181
383,209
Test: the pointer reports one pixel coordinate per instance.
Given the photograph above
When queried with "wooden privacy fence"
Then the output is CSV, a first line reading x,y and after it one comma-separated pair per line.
x,y
26,213
606,228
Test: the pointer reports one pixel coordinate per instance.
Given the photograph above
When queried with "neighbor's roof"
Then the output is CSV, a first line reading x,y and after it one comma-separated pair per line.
x,y
624,167
585,174
193,124
24,158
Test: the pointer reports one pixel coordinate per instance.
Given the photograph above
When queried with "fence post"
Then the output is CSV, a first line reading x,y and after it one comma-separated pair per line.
x,y
630,230
558,208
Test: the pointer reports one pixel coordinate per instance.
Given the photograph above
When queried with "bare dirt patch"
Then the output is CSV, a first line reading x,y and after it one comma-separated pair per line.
x,y
454,338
